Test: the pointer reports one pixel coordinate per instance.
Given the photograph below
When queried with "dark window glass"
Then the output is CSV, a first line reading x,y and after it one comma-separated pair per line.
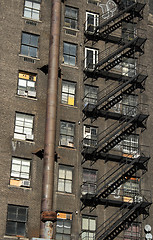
x,y
67,134
29,45
71,17
69,54
16,220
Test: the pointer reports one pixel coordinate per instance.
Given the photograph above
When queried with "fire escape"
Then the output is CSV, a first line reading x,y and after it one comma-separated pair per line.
x,y
124,45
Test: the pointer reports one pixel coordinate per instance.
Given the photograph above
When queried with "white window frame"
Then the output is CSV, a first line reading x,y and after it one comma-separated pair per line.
x,y
20,168
89,27
88,138
88,227
65,179
68,95
94,58
34,9
24,127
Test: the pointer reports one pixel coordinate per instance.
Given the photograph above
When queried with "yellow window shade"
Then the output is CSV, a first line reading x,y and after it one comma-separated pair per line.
x,y
127,199
64,216
24,76
71,101
15,182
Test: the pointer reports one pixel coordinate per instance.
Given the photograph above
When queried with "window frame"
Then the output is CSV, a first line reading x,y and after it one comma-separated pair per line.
x,y
17,221
71,101
89,185
67,135
89,27
86,232
68,55
20,172
25,47
90,139
90,63
64,218
65,179
88,95
70,18
130,144
32,9
23,135
27,78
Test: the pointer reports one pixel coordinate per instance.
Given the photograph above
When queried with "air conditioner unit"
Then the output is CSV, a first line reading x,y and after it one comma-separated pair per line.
x,y
22,93
138,199
31,93
29,137
25,183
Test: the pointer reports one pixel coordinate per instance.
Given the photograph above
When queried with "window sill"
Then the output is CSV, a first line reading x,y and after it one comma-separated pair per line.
x,y
66,65
19,187
66,194
24,141
25,56
26,97
15,237
67,147
32,20
67,105
76,30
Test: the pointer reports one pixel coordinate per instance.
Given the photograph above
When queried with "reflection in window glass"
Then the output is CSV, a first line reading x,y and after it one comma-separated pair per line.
x,y
69,54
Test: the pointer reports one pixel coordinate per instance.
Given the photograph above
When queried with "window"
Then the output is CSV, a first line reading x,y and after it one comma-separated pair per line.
x,y
91,95
91,58
90,136
89,181
133,232
32,9
128,31
27,84
29,45
131,144
71,17
68,93
67,134
129,105
20,168
16,220
95,2
70,54
88,228
132,187
129,67
63,226
92,21
65,179
23,126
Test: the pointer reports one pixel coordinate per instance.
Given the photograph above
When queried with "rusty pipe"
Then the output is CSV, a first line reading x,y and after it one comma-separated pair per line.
x,y
51,106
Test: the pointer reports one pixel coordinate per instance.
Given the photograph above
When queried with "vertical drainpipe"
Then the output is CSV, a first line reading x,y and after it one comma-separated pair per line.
x,y
48,216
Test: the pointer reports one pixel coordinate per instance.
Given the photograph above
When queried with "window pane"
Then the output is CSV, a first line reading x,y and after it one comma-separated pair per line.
x,y
21,229
66,48
68,186
22,214
85,224
27,13
36,6
35,14
69,174
24,50
61,185
32,52
11,228
12,211
92,224
28,4
25,38
34,40
67,227
59,226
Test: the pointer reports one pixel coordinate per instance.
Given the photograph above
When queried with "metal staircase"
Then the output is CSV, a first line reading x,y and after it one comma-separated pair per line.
x,y
110,65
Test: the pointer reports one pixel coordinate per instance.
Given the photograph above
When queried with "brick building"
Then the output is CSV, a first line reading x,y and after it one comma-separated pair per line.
x,y
103,169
